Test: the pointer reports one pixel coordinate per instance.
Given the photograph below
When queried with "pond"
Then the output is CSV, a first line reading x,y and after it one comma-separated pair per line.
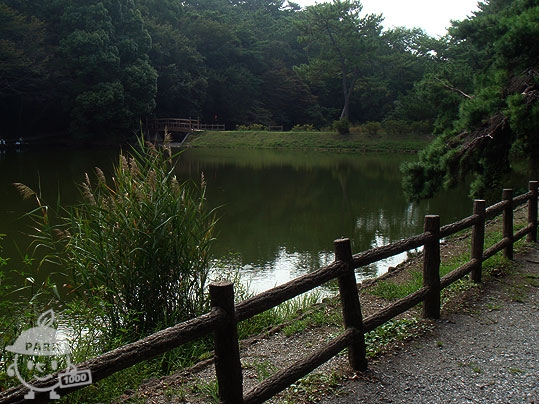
x,y
279,210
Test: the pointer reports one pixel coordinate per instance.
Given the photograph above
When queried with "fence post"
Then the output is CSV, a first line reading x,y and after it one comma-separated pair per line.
x,y
351,307
532,211
431,268
507,196
478,239
227,352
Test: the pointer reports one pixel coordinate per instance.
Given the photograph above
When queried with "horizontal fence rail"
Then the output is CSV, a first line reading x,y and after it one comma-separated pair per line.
x,y
223,319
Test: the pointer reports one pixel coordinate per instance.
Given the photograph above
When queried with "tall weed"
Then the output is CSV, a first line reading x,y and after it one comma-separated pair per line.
x,y
137,246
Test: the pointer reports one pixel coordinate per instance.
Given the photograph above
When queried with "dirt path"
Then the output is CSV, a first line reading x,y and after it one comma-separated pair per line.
x,y
486,351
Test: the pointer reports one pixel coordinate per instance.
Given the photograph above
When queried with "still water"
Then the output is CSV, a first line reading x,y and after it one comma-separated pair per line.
x,y
279,210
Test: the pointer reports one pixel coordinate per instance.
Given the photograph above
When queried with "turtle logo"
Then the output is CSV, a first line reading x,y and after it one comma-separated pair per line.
x,y
37,356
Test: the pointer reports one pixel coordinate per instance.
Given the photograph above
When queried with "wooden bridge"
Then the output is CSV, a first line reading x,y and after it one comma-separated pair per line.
x,y
179,125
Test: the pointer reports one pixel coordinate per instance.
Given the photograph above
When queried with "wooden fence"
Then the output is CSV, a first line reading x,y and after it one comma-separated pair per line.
x,y
222,320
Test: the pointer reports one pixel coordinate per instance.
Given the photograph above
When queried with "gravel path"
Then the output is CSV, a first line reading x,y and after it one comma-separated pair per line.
x,y
482,350
485,352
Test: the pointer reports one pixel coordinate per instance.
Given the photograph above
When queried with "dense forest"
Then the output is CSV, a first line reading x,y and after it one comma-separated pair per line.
x,y
93,69
96,67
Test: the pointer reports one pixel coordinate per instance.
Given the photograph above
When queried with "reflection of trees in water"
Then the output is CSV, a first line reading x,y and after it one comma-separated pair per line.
x,y
297,203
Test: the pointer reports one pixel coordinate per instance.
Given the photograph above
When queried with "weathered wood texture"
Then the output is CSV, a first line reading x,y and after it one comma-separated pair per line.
x,y
129,355
532,211
478,239
227,350
279,294
284,378
222,320
351,308
394,309
431,268
508,222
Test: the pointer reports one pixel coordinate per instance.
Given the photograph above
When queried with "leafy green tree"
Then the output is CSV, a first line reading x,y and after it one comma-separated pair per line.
x,y
108,81
496,123
247,47
182,81
340,43
23,68
97,70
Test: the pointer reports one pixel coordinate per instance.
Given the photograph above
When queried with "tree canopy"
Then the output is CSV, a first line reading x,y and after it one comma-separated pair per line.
x,y
340,43
100,67
488,72
97,68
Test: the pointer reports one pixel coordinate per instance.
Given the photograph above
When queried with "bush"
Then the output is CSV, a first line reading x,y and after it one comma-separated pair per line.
x,y
373,128
139,243
342,126
303,128
252,127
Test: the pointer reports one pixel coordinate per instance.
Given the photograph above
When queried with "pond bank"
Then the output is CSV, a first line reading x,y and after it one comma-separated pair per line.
x,y
355,141
478,348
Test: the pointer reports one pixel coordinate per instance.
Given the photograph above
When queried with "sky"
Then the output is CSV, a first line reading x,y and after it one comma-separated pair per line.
x,y
433,16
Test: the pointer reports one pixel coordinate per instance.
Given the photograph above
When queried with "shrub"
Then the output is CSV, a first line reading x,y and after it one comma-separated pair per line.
x,y
139,242
252,127
373,128
303,128
342,126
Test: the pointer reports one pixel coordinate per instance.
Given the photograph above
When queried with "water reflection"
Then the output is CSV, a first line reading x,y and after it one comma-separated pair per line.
x,y
281,211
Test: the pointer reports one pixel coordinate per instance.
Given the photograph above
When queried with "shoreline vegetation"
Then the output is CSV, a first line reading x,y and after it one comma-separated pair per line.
x,y
301,330
356,140
370,137
295,318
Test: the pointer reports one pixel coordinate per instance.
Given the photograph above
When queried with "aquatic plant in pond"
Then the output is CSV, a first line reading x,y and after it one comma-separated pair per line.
x,y
138,241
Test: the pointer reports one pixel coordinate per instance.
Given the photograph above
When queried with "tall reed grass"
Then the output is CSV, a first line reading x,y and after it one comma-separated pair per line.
x,y
137,246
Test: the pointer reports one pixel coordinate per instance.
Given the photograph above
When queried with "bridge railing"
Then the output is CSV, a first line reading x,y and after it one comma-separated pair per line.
x,y
222,320
181,125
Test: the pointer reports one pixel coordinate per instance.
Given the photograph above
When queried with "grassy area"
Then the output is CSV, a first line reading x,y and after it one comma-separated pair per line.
x,y
457,253
356,140
293,318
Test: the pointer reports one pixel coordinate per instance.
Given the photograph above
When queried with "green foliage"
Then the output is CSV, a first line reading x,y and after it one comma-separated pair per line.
x,y
303,128
313,386
73,64
393,291
137,248
252,126
373,128
391,331
341,43
142,242
422,178
524,120
21,54
209,389
342,126
263,369
498,106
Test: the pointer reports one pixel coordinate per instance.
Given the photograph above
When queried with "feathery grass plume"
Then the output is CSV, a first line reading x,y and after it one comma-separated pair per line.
x,y
100,176
25,191
28,193
86,188
144,246
137,245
